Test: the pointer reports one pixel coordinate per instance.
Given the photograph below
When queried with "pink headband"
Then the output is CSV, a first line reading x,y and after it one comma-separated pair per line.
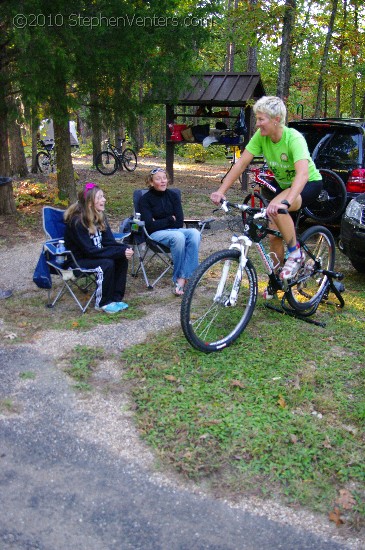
x,y
89,186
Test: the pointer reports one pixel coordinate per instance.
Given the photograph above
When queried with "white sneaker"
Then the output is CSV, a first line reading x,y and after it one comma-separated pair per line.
x,y
292,265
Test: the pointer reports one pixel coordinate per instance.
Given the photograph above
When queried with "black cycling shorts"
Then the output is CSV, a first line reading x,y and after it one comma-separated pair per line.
x,y
309,194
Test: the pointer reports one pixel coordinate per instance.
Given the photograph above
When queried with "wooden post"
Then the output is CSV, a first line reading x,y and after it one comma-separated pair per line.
x,y
169,143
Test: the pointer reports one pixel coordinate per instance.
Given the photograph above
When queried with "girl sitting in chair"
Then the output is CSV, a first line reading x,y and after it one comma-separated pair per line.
x,y
162,213
91,241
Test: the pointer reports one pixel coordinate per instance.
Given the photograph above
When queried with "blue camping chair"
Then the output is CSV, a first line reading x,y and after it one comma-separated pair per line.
x,y
147,250
75,280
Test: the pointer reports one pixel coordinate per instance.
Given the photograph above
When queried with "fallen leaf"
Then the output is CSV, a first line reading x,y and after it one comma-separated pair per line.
x,y
237,383
281,402
346,500
327,444
170,378
335,517
10,336
293,438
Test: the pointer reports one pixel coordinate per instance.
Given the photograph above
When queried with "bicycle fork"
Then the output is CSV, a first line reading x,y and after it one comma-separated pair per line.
x,y
242,244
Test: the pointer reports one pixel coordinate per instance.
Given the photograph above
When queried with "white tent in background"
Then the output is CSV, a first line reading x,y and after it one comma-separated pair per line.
x,y
46,129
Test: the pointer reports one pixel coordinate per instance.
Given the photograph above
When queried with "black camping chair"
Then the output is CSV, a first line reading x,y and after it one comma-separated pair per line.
x,y
147,250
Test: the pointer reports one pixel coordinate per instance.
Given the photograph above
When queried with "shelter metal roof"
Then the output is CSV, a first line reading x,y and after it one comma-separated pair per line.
x,y
225,89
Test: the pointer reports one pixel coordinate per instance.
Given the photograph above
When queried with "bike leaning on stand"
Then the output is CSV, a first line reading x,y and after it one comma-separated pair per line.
x,y
221,295
46,158
114,158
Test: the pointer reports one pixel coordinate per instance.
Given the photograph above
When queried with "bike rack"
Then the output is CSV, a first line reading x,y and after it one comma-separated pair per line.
x,y
330,287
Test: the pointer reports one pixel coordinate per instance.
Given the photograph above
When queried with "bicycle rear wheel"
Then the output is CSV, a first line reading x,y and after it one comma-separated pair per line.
x,y
106,163
44,164
331,203
209,322
319,247
129,160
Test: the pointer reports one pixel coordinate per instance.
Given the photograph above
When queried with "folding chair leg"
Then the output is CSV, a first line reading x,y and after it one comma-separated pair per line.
x,y
142,266
62,291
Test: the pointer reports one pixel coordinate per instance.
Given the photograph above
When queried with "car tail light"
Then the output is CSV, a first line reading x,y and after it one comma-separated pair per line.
x,y
356,181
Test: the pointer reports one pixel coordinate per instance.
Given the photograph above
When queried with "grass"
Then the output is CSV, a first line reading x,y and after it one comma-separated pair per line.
x,y
82,363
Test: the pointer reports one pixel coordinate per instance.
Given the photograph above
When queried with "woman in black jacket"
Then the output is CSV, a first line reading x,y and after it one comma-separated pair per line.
x,y
161,210
90,239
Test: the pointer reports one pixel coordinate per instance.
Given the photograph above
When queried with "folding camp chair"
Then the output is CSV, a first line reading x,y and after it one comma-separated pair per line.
x,y
74,279
148,250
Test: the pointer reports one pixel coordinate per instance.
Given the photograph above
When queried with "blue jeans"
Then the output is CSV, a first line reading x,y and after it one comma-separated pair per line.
x,y
184,246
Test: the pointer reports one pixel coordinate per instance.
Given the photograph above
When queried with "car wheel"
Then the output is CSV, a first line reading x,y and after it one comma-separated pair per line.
x,y
359,266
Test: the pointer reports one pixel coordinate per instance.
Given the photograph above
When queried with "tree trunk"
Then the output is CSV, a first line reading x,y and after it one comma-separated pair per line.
x,y
140,123
323,68
35,137
252,52
65,171
95,125
252,59
7,202
285,51
17,156
231,47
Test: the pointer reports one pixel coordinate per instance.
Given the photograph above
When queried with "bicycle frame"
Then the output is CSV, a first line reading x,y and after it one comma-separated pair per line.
x,y
243,243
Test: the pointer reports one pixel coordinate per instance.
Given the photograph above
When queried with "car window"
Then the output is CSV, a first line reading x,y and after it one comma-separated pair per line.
x,y
312,139
342,147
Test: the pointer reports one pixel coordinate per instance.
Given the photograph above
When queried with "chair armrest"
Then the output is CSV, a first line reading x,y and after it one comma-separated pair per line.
x,y
198,224
119,237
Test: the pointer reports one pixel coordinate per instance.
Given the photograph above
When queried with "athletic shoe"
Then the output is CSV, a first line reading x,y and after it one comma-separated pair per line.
x,y
109,308
5,294
121,305
292,265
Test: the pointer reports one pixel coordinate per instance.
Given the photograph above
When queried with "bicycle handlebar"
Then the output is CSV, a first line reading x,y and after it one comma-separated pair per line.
x,y
226,205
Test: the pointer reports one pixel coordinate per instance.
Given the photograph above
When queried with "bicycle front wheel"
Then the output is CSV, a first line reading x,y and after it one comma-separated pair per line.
x,y
106,163
319,247
43,161
129,160
216,306
331,203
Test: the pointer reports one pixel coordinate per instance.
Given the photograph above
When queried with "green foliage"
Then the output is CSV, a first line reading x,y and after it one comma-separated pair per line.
x,y
83,361
198,153
151,150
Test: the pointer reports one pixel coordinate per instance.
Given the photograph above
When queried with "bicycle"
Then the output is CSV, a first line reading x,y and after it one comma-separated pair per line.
x,y
327,208
46,160
113,158
233,153
221,296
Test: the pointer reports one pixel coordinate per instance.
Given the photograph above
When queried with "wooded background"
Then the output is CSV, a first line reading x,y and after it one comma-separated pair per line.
x,y
98,63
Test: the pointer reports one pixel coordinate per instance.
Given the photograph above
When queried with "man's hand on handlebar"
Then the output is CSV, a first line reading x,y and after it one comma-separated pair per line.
x,y
216,197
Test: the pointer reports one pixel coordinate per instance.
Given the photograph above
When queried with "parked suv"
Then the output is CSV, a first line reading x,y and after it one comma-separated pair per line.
x,y
352,234
337,145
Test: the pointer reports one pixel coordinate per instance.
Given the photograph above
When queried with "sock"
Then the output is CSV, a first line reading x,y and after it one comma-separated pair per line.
x,y
294,250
